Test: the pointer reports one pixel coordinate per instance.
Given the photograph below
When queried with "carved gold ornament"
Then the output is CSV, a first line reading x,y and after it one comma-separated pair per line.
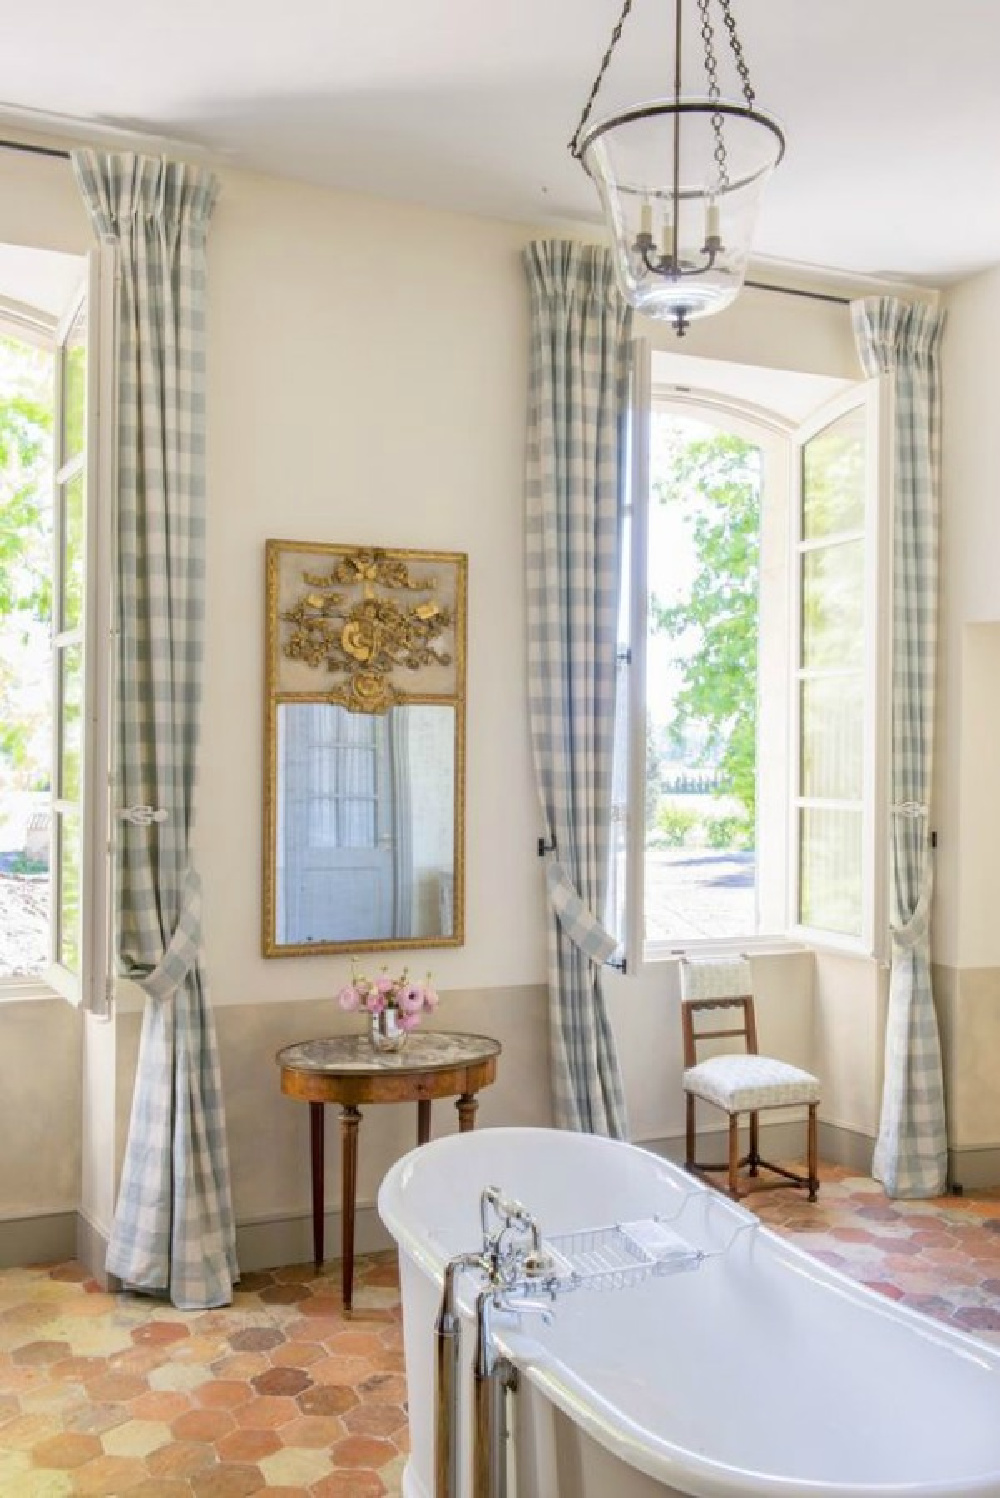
x,y
348,622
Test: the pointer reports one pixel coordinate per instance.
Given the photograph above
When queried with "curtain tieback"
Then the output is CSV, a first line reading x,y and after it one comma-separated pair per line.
x,y
576,918
915,930
182,950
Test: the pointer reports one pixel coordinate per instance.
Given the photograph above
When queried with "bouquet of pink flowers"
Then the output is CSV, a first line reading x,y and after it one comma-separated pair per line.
x,y
410,1000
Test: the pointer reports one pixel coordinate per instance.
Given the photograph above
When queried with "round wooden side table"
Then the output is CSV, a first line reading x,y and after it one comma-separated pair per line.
x,y
346,1070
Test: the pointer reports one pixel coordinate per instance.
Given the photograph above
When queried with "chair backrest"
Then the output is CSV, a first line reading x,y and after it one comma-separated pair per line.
x,y
746,1030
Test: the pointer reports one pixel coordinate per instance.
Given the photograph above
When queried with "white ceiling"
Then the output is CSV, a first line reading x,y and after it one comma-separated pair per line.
x,y
891,107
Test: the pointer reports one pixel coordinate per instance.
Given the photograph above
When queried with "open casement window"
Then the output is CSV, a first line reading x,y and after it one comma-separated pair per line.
x,y
809,865
842,679
81,637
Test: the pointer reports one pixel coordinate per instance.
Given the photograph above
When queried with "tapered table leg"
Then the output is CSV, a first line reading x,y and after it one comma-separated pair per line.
x,y
316,1162
423,1120
350,1117
467,1105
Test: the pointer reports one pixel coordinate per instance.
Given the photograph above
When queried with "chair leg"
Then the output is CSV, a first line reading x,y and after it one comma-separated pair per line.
x,y
754,1159
734,1155
689,1130
812,1155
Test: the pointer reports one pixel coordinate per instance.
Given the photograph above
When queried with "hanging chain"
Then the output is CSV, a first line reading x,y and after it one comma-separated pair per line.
x,y
574,144
712,73
737,48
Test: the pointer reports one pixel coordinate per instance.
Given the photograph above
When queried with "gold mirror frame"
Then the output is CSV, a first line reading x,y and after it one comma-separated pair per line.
x,y
366,629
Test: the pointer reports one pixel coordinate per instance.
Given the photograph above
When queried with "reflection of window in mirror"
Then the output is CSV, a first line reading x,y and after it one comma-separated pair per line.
x,y
364,749
365,823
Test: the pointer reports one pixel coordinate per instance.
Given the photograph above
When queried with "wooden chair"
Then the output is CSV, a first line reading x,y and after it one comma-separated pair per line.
x,y
740,1082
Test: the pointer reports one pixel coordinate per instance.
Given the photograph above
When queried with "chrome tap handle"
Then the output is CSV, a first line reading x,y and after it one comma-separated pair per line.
x,y
522,1306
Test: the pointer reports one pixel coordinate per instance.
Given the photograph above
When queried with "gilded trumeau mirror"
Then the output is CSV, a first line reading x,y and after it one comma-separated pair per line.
x,y
364,749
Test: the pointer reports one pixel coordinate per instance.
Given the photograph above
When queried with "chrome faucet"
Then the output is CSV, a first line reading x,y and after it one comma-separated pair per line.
x,y
515,1269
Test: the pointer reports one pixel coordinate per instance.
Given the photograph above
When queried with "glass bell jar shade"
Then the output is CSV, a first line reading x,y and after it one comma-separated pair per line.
x,y
680,184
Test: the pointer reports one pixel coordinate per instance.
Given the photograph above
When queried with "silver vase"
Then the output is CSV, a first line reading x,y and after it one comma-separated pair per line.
x,y
384,1031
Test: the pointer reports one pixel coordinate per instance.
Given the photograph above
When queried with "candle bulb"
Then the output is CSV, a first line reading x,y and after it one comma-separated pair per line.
x,y
668,240
712,235
646,219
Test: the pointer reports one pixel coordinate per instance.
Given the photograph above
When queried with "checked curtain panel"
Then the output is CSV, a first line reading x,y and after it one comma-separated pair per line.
x,y
577,395
903,343
173,1229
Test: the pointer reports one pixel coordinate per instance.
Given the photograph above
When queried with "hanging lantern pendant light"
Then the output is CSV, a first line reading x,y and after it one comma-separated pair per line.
x,y
681,241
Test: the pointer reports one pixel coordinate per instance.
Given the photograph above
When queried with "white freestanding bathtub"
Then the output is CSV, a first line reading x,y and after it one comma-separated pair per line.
x,y
759,1371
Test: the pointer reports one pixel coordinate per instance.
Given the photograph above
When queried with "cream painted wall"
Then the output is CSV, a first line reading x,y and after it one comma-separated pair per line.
x,y
965,935
367,376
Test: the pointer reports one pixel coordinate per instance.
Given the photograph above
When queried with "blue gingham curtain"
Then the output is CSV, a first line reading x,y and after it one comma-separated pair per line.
x,y
577,395
173,1228
911,1153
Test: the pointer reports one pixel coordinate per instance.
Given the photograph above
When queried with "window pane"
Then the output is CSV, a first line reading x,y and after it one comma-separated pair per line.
x,y
69,912
833,478
833,606
833,738
75,389
71,736
703,556
830,870
73,550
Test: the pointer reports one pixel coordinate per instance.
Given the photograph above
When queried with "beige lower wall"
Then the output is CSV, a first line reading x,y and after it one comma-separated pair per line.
x,y
850,1025
968,1006
40,1106
269,1134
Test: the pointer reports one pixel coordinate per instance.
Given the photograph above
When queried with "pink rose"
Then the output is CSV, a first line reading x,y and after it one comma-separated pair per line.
x,y
409,1021
411,998
348,997
375,1002
430,997
384,986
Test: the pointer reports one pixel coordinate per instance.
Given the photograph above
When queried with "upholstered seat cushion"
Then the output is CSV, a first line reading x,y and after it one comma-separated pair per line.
x,y
742,1083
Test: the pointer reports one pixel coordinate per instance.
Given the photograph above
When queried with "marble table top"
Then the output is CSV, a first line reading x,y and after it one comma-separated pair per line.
x,y
426,1050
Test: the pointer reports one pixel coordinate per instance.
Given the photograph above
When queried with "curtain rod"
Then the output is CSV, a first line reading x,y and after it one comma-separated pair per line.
x,y
20,145
812,296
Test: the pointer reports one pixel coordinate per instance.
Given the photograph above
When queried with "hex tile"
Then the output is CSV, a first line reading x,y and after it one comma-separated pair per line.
x,y
248,1445
327,1399
68,1449
136,1438
294,1465
256,1339
181,1459
230,1481
281,1381
202,1425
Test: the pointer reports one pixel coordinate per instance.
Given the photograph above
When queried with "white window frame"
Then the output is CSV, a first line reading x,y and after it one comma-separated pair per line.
x,y
874,397
780,441
92,987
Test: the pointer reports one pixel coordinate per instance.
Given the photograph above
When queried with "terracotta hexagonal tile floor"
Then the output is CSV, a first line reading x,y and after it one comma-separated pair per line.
x,y
107,1394
282,1394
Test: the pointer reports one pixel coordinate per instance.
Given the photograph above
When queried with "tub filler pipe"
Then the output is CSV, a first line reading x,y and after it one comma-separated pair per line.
x,y
447,1346
492,1378
513,1264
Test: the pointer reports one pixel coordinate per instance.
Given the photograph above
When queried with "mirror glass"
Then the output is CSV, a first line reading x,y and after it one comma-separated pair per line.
x,y
364,824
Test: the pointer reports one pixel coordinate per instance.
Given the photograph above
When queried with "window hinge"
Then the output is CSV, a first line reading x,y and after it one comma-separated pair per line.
x,y
624,655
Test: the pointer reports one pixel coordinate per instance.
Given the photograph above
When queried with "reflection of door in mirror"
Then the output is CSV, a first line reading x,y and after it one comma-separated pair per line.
x,y
365,834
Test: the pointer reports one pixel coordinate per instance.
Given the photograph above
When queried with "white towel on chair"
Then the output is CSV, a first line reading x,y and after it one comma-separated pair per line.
x,y
722,978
